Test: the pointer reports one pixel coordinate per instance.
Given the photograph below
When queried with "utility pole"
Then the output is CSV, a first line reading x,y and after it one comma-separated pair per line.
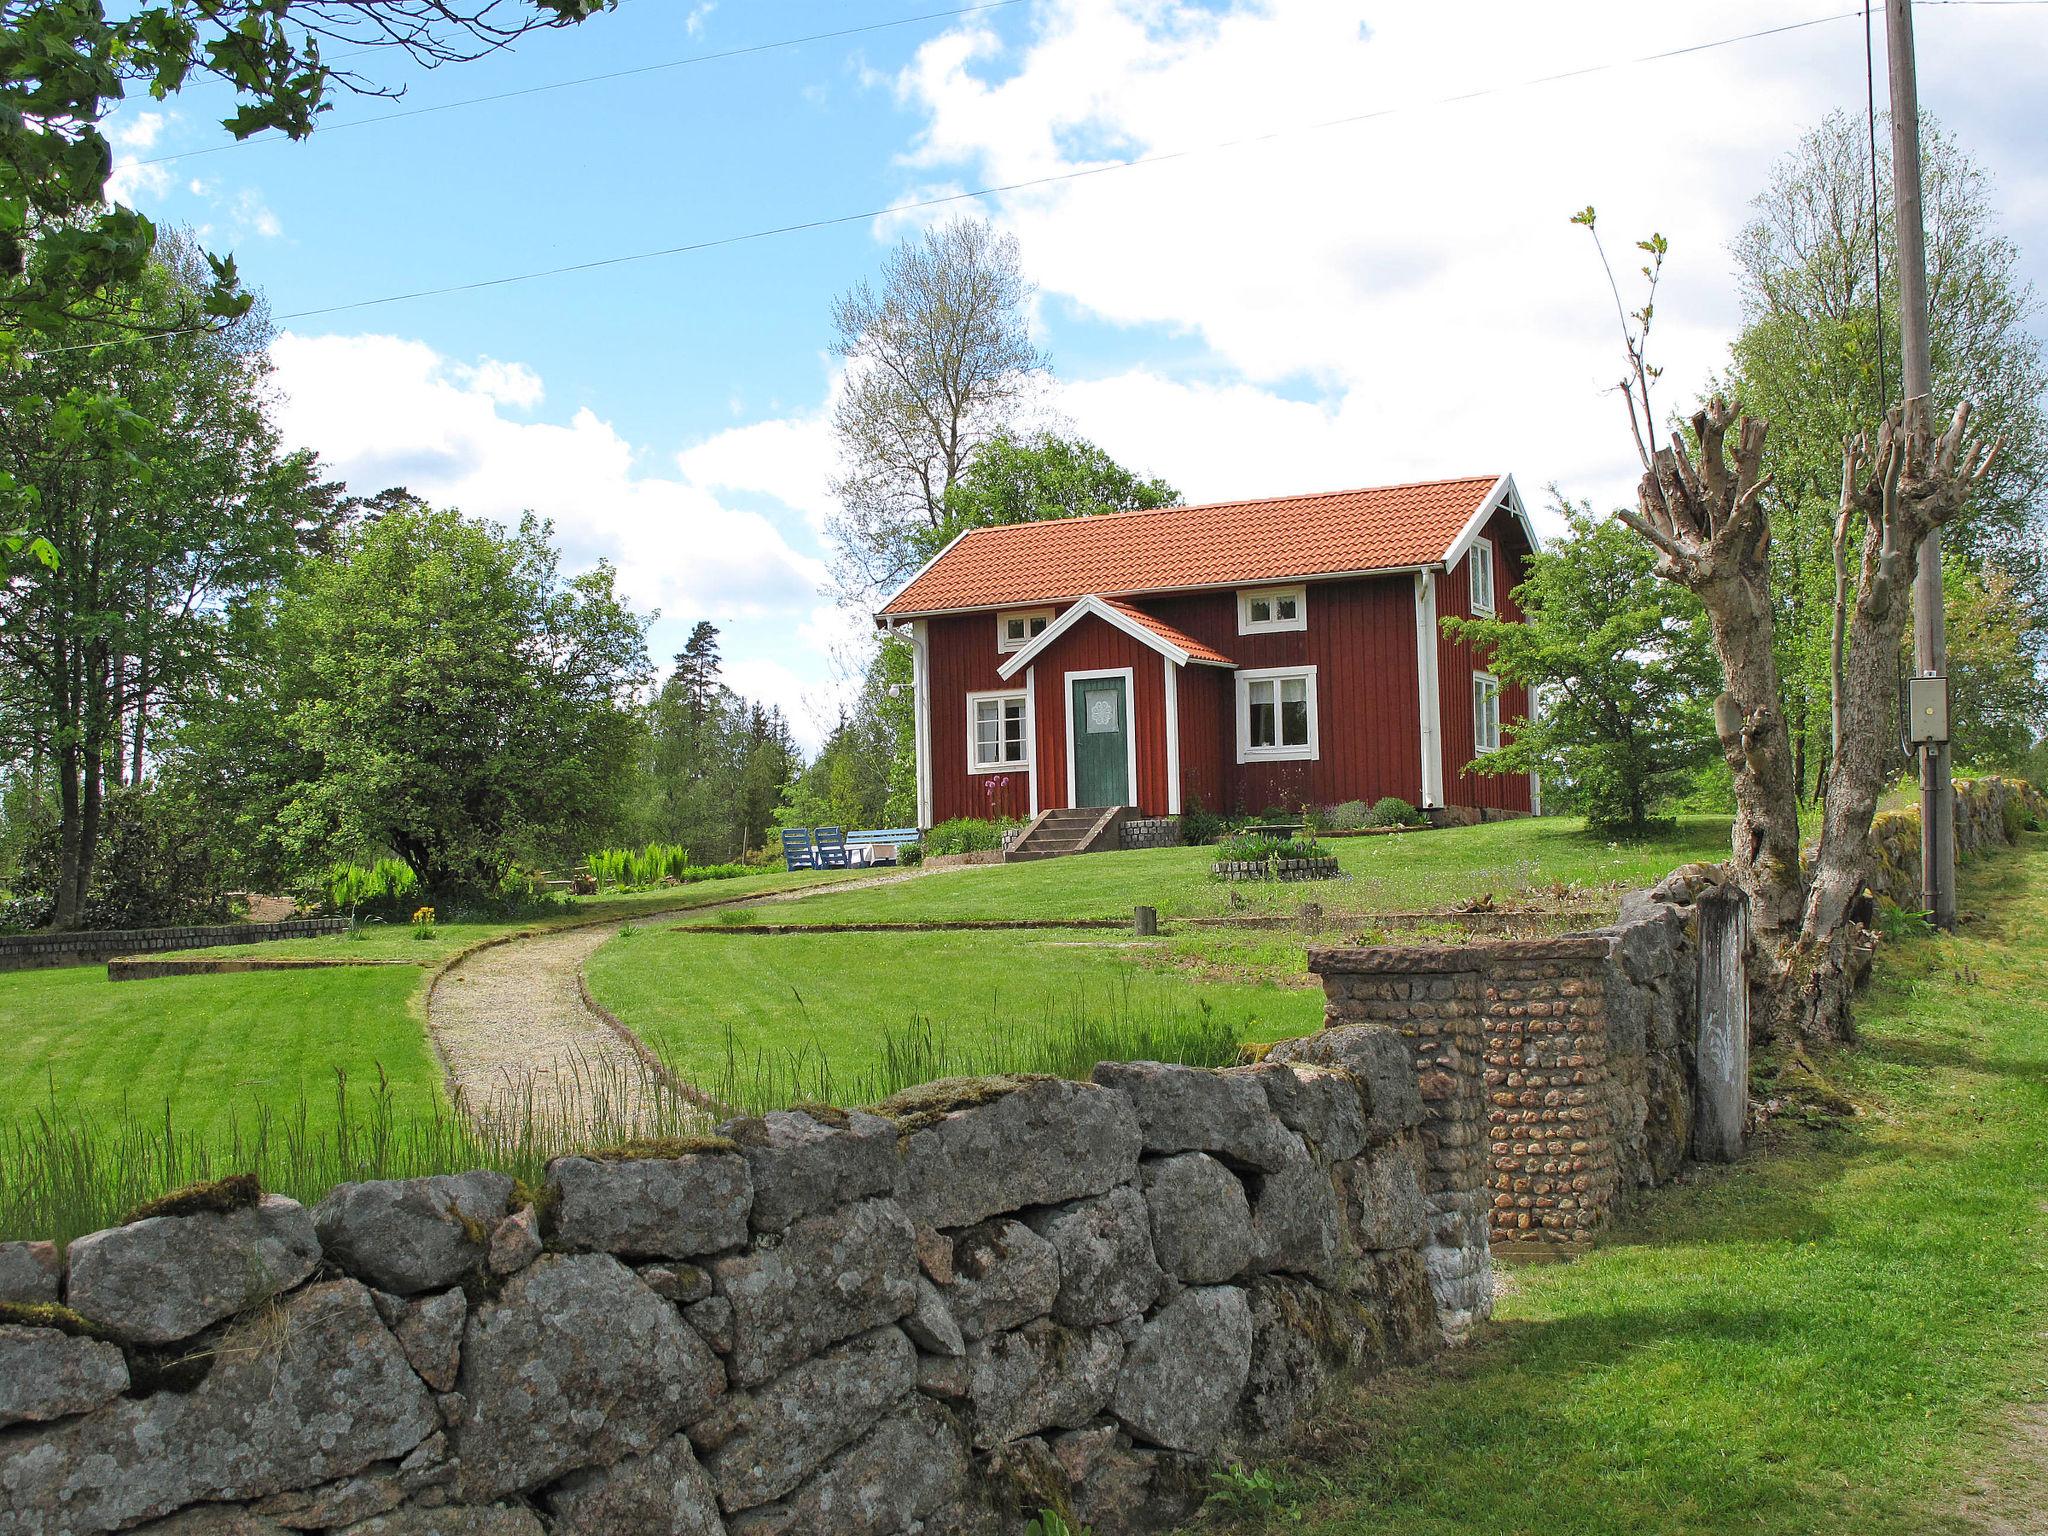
x,y
1930,638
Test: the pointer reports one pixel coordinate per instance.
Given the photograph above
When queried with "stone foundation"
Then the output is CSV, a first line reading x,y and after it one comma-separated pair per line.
x,y
1151,832
994,1296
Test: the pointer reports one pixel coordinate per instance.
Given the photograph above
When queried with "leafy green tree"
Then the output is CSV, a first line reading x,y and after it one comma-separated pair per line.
x,y
716,764
1626,670
1027,479
440,690
156,475
1807,359
64,64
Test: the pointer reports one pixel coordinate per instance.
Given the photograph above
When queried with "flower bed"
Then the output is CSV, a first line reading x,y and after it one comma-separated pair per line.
x,y
1317,867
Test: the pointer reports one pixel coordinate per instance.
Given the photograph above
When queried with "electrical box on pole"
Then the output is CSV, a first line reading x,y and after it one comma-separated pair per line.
x,y
1926,711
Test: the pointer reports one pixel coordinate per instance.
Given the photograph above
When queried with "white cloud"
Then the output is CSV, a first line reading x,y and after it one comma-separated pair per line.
x,y
1415,276
384,410
131,137
789,459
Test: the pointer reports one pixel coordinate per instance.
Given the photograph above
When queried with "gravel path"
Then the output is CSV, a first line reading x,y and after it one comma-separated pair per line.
x,y
518,1042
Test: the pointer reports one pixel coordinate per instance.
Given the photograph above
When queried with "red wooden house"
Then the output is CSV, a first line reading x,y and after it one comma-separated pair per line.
x,y
1240,656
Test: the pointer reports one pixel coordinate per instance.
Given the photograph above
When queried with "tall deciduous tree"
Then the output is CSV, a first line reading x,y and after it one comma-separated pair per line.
x,y
939,359
1029,478
1625,669
1815,324
156,475
450,696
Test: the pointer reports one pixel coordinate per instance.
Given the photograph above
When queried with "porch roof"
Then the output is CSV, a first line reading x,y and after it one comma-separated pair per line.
x,y
1174,644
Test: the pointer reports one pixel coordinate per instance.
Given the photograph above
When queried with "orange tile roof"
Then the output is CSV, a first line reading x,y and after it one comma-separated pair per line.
x,y
1226,544
1196,650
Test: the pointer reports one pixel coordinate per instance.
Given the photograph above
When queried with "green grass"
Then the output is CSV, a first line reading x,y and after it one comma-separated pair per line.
x,y
1409,873
1837,1334
819,1015
213,1046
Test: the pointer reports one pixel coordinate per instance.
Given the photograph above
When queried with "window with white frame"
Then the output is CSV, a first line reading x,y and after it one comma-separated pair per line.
x,y
1276,714
1481,562
1485,713
1262,610
998,732
1016,630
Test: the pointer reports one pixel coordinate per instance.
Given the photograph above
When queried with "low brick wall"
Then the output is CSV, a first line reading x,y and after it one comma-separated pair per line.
x,y
32,951
1152,832
1561,1065
995,1296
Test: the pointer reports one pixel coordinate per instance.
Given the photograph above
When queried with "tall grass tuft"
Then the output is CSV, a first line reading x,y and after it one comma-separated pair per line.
x,y
63,1174
369,887
1063,1043
624,869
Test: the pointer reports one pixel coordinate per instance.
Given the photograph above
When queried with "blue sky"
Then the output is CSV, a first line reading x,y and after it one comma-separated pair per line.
x,y
1392,299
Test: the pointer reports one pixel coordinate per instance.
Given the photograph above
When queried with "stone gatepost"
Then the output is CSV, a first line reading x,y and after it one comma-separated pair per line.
x,y
1721,1054
1433,999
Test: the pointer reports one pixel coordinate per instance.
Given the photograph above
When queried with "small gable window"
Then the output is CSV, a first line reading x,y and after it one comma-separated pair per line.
x,y
1262,610
998,732
1018,629
1485,713
1481,563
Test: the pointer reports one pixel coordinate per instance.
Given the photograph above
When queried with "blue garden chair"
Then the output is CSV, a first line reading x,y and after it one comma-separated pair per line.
x,y
832,848
796,849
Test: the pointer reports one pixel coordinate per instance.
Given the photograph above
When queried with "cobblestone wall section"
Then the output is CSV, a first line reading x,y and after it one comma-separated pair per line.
x,y
993,1296
1152,832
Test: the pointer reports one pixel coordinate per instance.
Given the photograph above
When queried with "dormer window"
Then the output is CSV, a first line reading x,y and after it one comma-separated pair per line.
x,y
1481,562
1018,628
1270,610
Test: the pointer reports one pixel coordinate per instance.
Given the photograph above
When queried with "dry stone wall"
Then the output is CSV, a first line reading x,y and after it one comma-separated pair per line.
x,y
35,951
994,1296
1990,814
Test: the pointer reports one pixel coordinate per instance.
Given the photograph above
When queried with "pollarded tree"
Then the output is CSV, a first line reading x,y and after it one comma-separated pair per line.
x,y
1702,505
1815,326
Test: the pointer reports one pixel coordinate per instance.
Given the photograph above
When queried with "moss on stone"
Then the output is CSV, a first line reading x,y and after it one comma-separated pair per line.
x,y
825,1114
49,1314
236,1192
928,1103
641,1149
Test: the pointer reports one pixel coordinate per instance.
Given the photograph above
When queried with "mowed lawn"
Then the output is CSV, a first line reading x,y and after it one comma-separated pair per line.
x,y
769,1010
1847,1332
208,1047
1412,872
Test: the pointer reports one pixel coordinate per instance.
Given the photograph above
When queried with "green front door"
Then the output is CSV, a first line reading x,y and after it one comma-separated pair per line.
x,y
1102,742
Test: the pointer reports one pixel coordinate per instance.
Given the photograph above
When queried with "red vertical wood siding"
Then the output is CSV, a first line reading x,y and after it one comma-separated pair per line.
x,y
963,660
1456,664
1361,641
1206,755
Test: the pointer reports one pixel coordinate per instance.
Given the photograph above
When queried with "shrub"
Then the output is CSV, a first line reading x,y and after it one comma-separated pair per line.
x,y
156,867
910,855
1199,824
1349,817
380,888
1254,847
967,834
1393,811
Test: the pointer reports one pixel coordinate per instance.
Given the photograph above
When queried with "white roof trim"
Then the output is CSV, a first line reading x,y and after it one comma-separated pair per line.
x,y
1502,494
1092,606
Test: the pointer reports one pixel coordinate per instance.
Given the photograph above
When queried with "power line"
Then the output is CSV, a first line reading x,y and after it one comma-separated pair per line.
x,y
618,74
1056,178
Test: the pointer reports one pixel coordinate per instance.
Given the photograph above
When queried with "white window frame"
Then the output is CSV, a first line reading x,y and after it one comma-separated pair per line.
x,y
1481,559
1004,644
1485,680
1247,625
1021,696
1307,752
